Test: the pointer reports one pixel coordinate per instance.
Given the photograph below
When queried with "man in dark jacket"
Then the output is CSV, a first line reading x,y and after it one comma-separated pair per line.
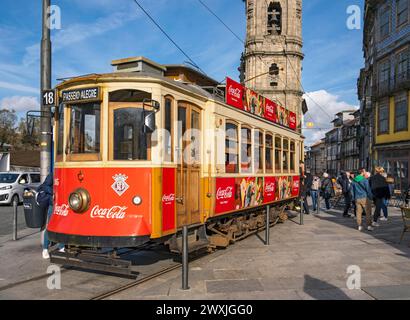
x,y
380,190
344,182
327,188
306,180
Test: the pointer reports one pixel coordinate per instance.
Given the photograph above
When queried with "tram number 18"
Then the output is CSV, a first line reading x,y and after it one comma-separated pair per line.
x,y
49,98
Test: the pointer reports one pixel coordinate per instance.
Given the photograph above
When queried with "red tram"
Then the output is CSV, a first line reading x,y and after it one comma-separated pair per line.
x,y
149,148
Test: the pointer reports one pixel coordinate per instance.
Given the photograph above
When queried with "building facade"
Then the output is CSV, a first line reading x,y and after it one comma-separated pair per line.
x,y
316,158
384,89
350,151
272,61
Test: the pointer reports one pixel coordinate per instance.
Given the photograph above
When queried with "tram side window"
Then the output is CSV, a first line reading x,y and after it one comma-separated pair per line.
x,y
278,154
60,128
246,150
169,156
130,142
292,156
85,128
269,153
285,154
258,151
231,148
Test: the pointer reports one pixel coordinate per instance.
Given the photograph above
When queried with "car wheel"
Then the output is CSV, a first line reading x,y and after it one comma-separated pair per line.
x,y
15,199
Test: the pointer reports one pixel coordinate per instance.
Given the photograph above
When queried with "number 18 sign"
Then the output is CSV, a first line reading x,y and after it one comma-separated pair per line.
x,y
49,98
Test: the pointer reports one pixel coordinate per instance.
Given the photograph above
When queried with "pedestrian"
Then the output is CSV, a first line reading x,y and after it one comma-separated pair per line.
x,y
362,195
345,184
380,191
314,192
306,180
327,189
45,200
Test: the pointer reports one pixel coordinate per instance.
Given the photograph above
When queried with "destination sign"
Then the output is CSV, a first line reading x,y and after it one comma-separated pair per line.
x,y
81,95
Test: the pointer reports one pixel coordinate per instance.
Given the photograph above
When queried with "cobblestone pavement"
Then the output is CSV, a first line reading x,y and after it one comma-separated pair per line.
x,y
301,262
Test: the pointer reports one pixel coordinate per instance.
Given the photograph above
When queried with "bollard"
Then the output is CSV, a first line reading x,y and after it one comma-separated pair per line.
x,y
318,204
185,258
267,230
301,211
15,220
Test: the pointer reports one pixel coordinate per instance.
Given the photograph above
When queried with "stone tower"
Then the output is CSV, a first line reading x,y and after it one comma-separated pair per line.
x,y
274,42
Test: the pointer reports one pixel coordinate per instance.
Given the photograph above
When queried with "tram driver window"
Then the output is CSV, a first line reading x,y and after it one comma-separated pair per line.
x,y
130,142
258,151
292,156
85,128
231,148
168,143
285,155
269,153
60,132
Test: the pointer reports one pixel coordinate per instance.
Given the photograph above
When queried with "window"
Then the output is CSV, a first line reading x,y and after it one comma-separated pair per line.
x,y
269,153
246,150
35,178
292,156
401,113
385,22
195,138
130,142
258,151
278,154
231,148
402,12
23,179
384,72
85,128
274,18
402,66
60,128
168,139
285,157
384,117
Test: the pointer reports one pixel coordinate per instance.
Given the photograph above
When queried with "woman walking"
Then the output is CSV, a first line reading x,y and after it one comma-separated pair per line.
x,y
380,191
328,190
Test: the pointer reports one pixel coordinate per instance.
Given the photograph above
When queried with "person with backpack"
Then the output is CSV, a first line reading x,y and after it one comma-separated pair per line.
x,y
344,182
327,189
314,192
362,195
45,200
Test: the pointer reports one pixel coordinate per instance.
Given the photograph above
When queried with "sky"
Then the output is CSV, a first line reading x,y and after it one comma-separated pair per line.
x,y
95,32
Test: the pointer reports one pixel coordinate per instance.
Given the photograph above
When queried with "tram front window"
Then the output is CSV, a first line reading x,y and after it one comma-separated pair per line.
x,y
85,128
130,142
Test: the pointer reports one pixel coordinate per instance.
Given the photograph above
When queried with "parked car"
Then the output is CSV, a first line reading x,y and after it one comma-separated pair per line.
x,y
12,185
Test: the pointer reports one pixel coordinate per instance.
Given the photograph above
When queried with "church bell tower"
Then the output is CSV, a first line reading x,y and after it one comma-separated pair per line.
x,y
272,61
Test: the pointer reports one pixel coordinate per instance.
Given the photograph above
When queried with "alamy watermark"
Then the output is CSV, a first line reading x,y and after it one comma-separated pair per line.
x,y
355,277
54,17
54,281
354,19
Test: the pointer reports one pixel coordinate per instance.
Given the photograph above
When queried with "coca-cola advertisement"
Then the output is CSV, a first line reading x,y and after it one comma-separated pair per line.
x,y
225,195
168,199
284,188
296,186
115,212
234,93
269,189
283,116
292,120
254,103
250,192
270,110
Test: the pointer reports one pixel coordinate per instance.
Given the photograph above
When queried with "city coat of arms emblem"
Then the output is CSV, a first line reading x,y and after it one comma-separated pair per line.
x,y
119,185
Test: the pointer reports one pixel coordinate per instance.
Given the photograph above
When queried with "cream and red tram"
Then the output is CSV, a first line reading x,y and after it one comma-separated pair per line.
x,y
209,162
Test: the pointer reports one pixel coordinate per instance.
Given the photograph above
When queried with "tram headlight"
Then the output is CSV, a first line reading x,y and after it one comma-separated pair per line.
x,y
137,200
79,200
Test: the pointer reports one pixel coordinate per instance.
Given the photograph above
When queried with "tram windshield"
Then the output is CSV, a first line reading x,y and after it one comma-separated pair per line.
x,y
84,128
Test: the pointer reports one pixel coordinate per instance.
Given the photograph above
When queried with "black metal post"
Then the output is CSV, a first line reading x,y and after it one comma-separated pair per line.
x,y
185,258
15,220
267,226
302,211
318,203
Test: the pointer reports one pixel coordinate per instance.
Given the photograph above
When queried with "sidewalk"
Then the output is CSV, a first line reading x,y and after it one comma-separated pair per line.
x,y
301,262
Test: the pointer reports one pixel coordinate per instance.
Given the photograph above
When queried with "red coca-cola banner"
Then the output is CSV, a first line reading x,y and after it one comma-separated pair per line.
x,y
269,191
234,93
250,101
168,199
225,195
296,186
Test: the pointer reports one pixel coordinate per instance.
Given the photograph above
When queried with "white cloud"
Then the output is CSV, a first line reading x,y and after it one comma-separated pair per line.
x,y
19,103
322,107
18,87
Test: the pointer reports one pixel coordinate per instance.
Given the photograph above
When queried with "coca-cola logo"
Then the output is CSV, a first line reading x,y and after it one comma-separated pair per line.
x,y
296,184
61,210
224,193
168,197
115,212
269,108
235,92
270,187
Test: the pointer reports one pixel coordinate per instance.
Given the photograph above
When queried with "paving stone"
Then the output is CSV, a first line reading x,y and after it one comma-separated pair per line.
x,y
219,286
396,292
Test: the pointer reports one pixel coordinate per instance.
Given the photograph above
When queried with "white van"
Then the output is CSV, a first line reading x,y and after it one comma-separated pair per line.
x,y
12,185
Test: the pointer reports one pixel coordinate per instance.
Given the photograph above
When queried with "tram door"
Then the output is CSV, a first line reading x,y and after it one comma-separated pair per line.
x,y
189,165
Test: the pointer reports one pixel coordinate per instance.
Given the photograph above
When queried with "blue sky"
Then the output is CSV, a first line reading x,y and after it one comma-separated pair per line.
x,y
94,32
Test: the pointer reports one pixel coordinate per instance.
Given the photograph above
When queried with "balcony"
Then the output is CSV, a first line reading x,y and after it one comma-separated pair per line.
x,y
384,88
402,80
